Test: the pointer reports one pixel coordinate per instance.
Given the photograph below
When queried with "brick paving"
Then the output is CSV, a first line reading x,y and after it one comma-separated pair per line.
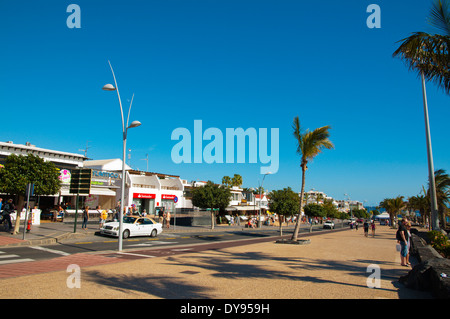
x,y
55,264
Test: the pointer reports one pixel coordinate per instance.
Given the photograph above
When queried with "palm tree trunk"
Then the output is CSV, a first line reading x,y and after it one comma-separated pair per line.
x,y
297,225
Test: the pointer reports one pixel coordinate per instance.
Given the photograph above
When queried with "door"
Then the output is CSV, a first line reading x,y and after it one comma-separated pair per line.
x,y
147,226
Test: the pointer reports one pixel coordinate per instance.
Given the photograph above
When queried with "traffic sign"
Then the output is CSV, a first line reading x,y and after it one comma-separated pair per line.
x,y
175,199
80,182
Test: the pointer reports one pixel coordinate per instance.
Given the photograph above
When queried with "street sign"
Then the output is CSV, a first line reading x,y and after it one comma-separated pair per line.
x,y
80,182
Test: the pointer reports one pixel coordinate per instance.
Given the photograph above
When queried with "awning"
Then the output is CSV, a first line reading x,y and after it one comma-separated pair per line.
x,y
94,191
102,191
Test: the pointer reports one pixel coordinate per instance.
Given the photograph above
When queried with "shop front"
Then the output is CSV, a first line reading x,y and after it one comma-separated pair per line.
x,y
169,201
144,201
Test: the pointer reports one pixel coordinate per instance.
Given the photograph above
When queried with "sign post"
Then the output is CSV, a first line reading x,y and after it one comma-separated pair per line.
x,y
80,183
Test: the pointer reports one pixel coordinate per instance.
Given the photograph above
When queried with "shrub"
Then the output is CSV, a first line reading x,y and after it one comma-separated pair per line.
x,y
439,242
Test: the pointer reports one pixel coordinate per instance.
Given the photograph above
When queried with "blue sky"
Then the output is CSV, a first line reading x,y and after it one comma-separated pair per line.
x,y
247,63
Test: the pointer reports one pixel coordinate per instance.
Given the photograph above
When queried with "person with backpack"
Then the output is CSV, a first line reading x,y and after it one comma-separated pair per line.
x,y
8,208
402,239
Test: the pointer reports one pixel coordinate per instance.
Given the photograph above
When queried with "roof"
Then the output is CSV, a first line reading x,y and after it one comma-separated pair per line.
x,y
30,147
106,165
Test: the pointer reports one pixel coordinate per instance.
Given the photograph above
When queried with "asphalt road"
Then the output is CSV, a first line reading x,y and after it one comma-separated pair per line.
x,y
99,243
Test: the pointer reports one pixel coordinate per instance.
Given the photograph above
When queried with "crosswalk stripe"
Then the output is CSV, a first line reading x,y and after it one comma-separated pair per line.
x,y
8,256
12,261
54,251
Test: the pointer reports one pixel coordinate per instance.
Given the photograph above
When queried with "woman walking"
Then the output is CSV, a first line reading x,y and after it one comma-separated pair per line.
x,y
85,218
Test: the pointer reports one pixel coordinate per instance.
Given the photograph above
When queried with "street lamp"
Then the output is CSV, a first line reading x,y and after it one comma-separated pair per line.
x,y
260,199
110,87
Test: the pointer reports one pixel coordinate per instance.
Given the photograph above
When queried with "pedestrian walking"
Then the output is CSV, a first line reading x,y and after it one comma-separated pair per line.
x,y
372,226
100,220
408,245
85,216
168,219
7,210
366,228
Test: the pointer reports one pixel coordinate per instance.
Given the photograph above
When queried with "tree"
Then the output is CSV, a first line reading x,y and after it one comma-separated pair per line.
x,y
236,180
393,206
422,204
442,182
283,202
429,54
312,211
20,170
329,209
211,196
226,180
309,145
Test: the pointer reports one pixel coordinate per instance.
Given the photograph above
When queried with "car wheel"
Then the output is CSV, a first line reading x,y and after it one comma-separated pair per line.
x,y
154,233
126,234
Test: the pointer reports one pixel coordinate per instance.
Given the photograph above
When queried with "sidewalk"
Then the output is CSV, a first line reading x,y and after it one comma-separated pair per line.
x,y
333,266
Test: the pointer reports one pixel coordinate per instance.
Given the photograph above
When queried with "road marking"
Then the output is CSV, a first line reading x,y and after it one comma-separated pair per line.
x,y
9,256
181,249
13,261
53,251
152,244
139,255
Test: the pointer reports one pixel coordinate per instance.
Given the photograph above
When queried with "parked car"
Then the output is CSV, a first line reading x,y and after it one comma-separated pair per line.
x,y
133,226
328,224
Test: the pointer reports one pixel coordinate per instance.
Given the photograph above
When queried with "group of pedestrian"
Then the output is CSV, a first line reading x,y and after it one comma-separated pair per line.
x,y
403,236
368,225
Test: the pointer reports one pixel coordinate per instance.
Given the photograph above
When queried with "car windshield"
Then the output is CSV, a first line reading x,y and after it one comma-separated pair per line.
x,y
129,220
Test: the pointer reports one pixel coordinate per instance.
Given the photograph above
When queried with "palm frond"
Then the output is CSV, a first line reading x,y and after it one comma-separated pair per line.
x,y
440,16
428,54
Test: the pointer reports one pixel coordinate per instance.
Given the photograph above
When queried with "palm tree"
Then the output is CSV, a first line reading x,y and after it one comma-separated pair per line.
x,y
309,145
393,206
442,181
236,180
421,203
226,180
429,54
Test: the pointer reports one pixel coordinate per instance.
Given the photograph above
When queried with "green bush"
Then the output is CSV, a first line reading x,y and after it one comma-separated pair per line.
x,y
439,242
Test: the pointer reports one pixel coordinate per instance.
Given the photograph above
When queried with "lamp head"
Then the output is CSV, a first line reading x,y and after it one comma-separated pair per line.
x,y
109,87
134,124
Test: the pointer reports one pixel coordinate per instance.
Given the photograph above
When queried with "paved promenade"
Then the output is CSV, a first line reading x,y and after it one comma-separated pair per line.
x,y
334,265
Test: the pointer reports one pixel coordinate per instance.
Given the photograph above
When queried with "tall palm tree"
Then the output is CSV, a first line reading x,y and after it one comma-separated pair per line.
x,y
430,56
309,145
429,53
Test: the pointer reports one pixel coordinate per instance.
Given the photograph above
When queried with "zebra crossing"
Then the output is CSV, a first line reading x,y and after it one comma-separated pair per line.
x,y
6,258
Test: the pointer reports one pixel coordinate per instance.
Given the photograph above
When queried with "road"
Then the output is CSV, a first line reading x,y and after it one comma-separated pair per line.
x,y
135,245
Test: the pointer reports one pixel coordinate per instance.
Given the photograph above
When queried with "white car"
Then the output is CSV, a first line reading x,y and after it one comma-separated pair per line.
x,y
133,226
328,224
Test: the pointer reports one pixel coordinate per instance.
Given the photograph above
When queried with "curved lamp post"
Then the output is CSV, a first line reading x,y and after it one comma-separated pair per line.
x,y
110,87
